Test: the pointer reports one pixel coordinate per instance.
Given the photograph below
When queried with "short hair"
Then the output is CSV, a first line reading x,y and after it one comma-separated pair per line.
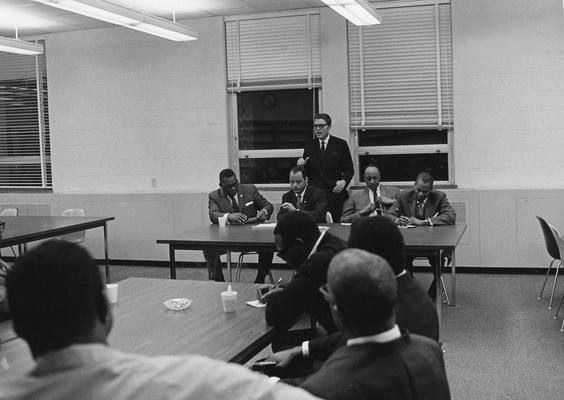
x,y
379,235
297,225
372,166
364,288
324,117
425,177
298,169
226,173
55,292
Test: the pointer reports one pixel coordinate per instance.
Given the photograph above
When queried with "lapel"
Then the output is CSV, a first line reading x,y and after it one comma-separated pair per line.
x,y
412,204
365,198
226,202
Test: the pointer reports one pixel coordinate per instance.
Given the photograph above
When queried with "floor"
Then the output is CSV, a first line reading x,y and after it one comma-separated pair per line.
x,y
500,342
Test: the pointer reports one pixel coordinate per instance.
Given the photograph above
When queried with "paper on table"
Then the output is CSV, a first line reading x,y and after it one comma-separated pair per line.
x,y
346,223
268,225
407,226
256,303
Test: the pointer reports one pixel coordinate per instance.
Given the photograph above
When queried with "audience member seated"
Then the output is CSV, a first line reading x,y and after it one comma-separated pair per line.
x,y
303,197
59,308
423,206
378,360
4,309
375,199
413,308
309,251
239,204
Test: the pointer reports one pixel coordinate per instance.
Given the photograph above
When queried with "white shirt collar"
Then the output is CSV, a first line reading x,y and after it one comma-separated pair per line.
x,y
326,140
382,337
302,193
402,273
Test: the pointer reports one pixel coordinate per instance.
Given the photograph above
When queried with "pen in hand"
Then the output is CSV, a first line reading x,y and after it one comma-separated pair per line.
x,y
263,291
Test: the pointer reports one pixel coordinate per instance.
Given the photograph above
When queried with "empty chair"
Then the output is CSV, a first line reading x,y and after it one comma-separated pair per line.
x,y
560,243
75,237
552,249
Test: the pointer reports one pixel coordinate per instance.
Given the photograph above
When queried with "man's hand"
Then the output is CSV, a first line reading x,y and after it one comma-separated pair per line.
x,y
386,201
417,222
301,162
288,206
339,186
367,210
262,215
284,357
236,218
403,220
267,290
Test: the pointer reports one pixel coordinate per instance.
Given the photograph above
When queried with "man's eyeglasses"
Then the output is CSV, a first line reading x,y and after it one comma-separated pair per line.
x,y
371,178
324,289
231,185
319,126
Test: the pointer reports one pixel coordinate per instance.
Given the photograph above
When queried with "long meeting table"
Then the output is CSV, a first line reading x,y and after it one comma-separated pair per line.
x,y
24,229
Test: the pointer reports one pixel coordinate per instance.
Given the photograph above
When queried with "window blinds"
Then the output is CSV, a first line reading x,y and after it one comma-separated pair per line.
x,y
401,70
24,128
274,50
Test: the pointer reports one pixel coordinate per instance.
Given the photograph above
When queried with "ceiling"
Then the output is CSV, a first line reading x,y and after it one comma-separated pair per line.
x,y
36,19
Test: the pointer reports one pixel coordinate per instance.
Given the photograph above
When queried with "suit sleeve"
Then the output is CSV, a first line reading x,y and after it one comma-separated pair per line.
x,y
321,348
214,209
285,307
283,211
261,202
347,164
446,216
349,211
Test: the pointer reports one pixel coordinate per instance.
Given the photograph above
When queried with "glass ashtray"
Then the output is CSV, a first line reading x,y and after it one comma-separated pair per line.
x,y
178,304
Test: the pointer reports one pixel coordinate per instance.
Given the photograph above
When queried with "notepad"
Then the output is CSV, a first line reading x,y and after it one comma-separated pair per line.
x,y
268,225
256,303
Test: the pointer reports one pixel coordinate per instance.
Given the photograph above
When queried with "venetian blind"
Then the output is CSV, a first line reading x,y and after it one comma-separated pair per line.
x,y
401,70
24,127
281,49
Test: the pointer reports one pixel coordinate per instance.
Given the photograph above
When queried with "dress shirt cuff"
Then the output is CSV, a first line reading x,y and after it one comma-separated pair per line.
x,y
273,379
226,220
429,221
305,348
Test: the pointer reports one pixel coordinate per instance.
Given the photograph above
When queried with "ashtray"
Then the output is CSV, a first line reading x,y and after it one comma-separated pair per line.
x,y
178,304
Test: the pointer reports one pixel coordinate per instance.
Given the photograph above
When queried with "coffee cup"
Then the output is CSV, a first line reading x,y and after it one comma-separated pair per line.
x,y
112,292
222,221
229,300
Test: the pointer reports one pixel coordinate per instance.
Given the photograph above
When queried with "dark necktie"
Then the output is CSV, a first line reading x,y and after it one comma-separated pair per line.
x,y
376,203
299,201
234,204
421,210
322,148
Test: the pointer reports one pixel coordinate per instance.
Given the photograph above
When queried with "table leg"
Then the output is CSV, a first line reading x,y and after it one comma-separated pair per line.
x,y
172,257
453,279
106,253
438,290
229,266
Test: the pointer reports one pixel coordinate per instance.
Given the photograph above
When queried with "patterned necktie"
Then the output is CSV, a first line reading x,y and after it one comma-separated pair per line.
x,y
299,201
234,204
322,148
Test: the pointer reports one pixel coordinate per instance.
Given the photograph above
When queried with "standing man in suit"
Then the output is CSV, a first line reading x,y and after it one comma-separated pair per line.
x,y
240,204
378,360
303,197
376,199
329,163
423,206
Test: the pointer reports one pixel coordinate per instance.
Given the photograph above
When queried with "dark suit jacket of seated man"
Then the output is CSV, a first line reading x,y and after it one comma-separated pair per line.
x,y
375,199
378,360
312,199
307,250
240,204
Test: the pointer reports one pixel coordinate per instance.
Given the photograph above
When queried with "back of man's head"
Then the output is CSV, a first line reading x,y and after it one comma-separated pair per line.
x,y
297,225
363,288
380,236
56,293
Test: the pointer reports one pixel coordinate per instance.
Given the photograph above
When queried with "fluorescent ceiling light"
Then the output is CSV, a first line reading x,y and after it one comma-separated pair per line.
x,y
120,15
359,12
19,46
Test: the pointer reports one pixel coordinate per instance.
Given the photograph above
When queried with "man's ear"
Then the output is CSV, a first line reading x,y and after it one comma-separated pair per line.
x,y
300,241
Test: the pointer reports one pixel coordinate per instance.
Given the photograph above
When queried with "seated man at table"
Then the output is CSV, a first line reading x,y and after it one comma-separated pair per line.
x,y
303,197
378,360
375,199
308,251
413,307
59,308
239,204
4,309
423,206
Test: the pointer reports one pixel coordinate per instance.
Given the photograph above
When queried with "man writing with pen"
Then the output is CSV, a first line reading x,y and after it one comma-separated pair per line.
x,y
423,206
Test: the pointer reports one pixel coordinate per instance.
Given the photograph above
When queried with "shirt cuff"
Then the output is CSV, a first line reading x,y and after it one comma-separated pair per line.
x,y
305,348
226,220
430,222
273,379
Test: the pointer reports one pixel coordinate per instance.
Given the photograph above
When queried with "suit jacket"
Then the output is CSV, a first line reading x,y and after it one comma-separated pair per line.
x,y
325,171
437,208
302,294
313,202
414,311
360,199
249,198
410,367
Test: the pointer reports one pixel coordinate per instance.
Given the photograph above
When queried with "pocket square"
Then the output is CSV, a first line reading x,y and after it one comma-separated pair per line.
x,y
248,204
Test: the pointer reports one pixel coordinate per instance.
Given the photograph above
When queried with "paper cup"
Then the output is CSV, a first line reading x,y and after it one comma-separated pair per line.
x,y
222,221
112,292
229,301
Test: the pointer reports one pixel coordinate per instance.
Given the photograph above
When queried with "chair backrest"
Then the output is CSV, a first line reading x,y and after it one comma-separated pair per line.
x,y
558,239
9,212
549,240
328,218
76,237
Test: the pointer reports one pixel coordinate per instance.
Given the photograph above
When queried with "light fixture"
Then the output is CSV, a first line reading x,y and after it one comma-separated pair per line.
x,y
20,46
128,17
359,12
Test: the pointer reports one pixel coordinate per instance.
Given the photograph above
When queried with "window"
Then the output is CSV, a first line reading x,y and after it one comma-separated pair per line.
x,y
400,91
274,78
25,151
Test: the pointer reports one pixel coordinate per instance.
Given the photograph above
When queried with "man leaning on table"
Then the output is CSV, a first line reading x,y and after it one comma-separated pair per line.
x,y
303,196
423,206
59,308
240,204
375,199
